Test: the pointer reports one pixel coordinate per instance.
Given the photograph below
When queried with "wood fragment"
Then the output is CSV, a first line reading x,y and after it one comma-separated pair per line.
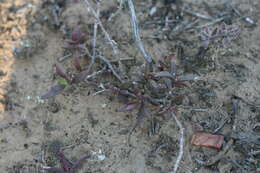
x,y
207,140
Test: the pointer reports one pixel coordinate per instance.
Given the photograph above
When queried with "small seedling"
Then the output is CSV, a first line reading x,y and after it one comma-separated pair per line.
x,y
153,84
62,83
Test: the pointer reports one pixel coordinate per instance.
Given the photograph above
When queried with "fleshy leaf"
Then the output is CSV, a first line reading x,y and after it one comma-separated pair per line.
x,y
142,113
128,107
163,74
80,77
61,72
54,91
77,36
77,63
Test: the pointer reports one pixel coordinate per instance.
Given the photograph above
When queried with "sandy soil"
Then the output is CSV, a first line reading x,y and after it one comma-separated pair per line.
x,y
31,130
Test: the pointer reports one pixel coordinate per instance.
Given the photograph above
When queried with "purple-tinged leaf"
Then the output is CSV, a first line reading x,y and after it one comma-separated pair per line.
x,y
71,42
127,93
179,83
164,109
61,72
169,56
119,91
77,36
54,91
66,164
80,77
129,106
155,101
163,74
143,112
77,62
79,162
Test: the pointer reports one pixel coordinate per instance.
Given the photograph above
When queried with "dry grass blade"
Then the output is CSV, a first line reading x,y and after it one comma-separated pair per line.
x,y
94,39
136,32
128,107
96,16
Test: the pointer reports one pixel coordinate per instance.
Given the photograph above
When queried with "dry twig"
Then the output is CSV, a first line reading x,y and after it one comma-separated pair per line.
x,y
136,32
118,10
95,31
182,141
96,16
110,66
94,39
